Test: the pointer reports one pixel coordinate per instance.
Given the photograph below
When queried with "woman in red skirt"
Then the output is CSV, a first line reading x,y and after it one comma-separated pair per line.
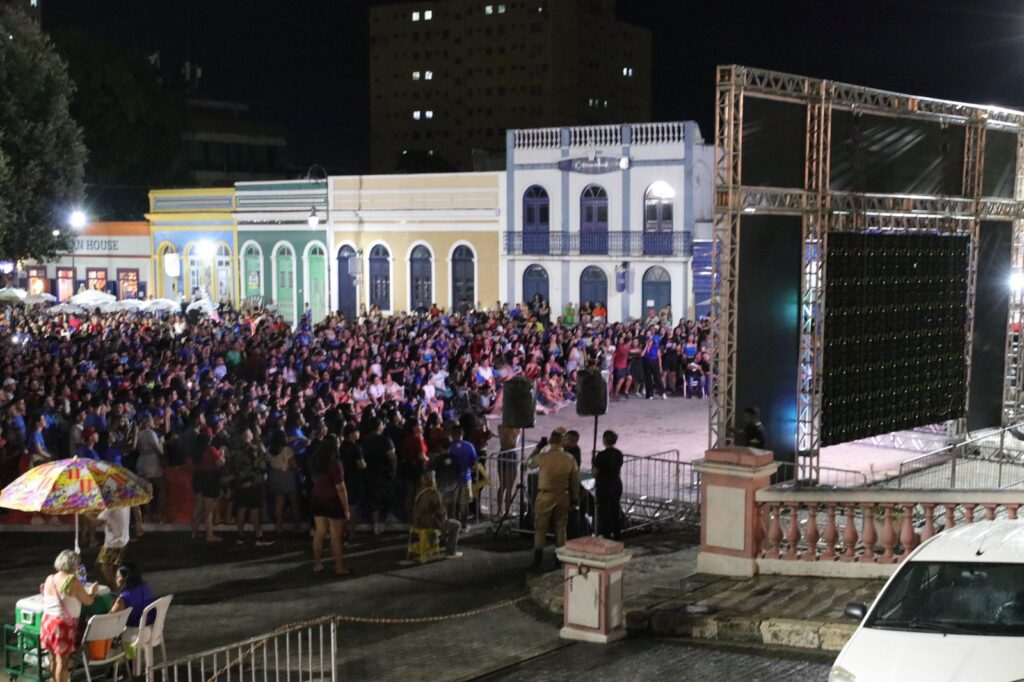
x,y
63,597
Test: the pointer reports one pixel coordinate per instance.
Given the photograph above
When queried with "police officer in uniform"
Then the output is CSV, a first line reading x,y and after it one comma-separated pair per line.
x,y
558,490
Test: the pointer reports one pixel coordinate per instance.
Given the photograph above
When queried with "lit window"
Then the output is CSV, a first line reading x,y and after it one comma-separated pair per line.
x,y
416,114
606,104
415,16
430,152
489,9
501,9
428,75
429,113
415,75
428,15
627,71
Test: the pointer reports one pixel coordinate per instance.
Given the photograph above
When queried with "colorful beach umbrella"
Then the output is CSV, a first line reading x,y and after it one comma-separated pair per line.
x,y
74,486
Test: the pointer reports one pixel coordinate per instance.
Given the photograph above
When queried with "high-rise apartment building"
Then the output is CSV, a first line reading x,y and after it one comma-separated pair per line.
x,y
449,77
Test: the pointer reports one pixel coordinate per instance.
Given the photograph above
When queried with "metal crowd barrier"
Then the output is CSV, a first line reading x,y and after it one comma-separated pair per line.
x,y
307,651
656,489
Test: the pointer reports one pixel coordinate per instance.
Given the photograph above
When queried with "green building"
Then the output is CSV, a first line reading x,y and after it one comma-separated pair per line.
x,y
282,245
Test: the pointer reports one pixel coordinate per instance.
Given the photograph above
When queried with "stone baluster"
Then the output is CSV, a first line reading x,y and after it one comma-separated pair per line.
x,y
831,535
760,528
950,512
929,522
849,534
888,538
869,535
774,533
812,535
908,538
969,512
990,512
793,532
1011,511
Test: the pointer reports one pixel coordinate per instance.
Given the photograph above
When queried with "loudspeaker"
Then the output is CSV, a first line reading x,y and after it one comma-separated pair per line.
x,y
591,393
519,404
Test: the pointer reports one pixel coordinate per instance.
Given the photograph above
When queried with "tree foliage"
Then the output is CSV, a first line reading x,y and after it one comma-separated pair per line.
x,y
42,155
133,125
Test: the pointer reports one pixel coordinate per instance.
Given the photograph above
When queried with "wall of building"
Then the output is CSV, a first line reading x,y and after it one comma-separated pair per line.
x,y
439,211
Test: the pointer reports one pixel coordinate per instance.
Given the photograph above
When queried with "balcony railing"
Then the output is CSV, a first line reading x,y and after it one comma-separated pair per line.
x,y
598,243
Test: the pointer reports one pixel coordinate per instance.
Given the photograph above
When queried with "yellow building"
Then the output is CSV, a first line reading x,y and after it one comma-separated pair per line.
x,y
403,242
194,242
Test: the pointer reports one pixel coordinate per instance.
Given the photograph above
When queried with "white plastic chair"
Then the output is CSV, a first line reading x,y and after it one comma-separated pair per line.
x,y
102,627
146,637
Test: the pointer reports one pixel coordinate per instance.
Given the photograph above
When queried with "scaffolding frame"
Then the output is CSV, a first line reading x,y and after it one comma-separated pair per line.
x,y
823,210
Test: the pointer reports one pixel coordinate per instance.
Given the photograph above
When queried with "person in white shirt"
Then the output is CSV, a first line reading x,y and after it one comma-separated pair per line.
x,y
115,541
150,466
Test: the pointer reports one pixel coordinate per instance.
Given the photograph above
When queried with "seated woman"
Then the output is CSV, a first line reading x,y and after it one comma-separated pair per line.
x,y
133,593
63,597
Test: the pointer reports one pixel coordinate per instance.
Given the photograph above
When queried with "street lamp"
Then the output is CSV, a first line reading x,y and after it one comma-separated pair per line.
x,y
56,233
313,220
76,220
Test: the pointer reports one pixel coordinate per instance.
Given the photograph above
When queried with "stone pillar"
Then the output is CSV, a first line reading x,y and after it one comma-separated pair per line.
x,y
729,527
593,589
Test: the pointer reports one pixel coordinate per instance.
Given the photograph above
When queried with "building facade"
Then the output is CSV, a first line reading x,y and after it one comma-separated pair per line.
x,y
108,256
404,242
448,77
194,243
283,254
607,214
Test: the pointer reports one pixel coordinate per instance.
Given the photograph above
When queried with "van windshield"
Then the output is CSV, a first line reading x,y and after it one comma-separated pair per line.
x,y
954,598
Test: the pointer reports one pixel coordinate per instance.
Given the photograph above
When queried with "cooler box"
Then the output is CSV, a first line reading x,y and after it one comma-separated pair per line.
x,y
28,614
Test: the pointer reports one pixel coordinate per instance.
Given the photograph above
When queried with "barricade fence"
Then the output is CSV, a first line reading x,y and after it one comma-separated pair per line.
x,y
656,488
301,652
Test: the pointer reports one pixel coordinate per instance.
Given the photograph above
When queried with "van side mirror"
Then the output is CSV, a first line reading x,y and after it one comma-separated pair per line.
x,y
856,609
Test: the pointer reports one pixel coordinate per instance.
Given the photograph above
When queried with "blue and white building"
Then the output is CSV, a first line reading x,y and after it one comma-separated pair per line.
x,y
609,213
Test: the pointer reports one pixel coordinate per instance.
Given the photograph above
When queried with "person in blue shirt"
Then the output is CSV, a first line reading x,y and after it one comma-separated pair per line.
x,y
457,483
652,365
37,452
87,448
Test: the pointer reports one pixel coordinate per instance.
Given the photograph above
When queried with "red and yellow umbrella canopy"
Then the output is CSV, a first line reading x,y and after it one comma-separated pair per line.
x,y
71,486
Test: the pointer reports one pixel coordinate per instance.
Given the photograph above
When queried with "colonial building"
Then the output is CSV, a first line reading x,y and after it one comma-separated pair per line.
x,y
607,214
108,256
194,242
404,242
282,237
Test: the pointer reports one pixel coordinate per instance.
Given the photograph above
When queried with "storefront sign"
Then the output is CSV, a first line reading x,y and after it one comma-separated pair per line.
x,y
595,166
97,245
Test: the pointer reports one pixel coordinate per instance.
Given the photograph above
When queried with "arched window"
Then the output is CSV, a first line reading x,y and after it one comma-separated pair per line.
x,y
198,269
536,220
380,277
222,266
421,283
535,281
658,205
594,220
463,278
348,264
657,290
252,271
593,285
316,281
284,281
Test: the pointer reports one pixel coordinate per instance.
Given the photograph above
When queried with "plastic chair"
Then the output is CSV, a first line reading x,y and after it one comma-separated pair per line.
x,y
423,544
146,637
101,630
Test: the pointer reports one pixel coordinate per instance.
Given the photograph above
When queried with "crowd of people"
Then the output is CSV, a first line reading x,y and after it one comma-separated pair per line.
x,y
317,424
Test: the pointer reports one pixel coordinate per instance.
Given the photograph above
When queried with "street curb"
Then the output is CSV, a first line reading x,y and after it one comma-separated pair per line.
x,y
677,619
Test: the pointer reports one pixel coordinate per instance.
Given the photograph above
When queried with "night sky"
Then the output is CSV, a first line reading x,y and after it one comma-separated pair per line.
x,y
303,63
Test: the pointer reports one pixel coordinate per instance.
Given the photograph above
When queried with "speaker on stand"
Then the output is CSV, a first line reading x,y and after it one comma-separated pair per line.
x,y
592,401
518,411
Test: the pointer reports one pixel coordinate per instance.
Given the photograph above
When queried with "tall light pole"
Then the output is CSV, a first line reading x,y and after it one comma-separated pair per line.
x,y
76,220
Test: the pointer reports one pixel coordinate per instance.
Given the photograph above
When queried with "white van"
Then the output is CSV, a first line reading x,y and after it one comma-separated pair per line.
x,y
954,610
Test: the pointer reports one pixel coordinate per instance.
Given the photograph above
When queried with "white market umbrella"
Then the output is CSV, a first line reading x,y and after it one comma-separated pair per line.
x,y
12,295
90,298
203,305
158,305
128,304
33,299
65,308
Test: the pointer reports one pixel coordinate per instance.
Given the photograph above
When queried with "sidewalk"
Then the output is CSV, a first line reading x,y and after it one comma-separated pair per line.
x,y
665,596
